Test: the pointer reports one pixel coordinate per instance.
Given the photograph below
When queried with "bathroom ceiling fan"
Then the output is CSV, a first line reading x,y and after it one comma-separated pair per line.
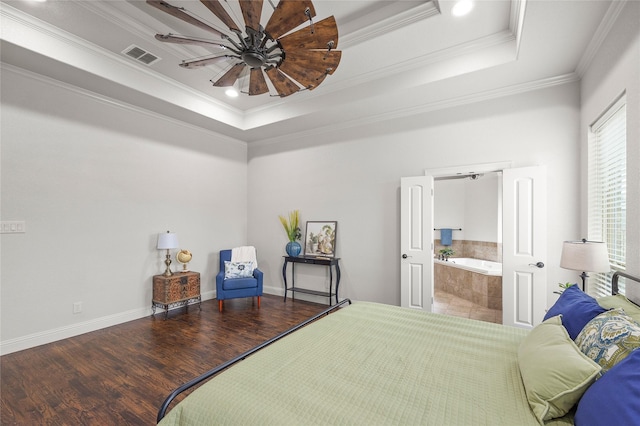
x,y
292,60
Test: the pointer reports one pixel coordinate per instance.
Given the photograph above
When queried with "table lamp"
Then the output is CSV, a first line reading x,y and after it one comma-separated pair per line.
x,y
167,241
585,256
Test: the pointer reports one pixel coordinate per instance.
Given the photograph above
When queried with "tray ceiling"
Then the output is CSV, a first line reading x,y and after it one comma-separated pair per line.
x,y
398,58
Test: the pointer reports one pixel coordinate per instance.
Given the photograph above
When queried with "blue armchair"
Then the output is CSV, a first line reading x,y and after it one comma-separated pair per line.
x,y
233,288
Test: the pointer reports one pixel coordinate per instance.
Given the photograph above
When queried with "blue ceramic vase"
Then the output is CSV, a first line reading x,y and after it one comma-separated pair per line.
x,y
293,248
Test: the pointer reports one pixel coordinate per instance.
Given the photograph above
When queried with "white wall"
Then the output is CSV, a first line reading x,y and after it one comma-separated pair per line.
x,y
95,182
473,205
614,70
483,209
355,180
449,207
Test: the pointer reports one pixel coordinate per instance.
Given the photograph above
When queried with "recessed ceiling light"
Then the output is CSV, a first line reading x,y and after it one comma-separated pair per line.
x,y
231,92
462,7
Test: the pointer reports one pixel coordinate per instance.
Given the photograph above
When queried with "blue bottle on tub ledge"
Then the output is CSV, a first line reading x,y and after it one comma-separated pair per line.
x,y
293,248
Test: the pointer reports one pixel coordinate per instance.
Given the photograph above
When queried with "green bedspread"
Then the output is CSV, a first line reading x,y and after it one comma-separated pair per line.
x,y
372,364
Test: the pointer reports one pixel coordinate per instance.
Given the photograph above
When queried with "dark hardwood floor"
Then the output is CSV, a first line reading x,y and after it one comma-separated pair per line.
x,y
121,375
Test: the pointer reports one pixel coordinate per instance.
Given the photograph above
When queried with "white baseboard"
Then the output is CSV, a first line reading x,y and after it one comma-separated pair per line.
x,y
53,335
49,336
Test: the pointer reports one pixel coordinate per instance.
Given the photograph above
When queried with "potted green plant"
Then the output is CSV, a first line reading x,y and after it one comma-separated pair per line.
x,y
292,228
563,287
445,253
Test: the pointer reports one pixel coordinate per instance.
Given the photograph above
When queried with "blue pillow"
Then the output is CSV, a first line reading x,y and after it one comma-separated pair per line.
x,y
577,309
614,398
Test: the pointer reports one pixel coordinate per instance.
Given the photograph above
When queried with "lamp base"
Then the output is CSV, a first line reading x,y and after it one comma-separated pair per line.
x,y
584,276
167,262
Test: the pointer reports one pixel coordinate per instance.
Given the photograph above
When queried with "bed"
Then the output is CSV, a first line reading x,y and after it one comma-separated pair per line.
x,y
375,364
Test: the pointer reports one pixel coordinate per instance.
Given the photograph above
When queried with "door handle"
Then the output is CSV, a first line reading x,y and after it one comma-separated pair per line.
x,y
538,265
404,256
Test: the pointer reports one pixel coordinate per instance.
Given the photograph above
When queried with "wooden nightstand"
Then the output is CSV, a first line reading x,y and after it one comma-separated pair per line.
x,y
180,289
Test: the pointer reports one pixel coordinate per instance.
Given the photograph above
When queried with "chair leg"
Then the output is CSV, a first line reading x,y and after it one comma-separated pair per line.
x,y
258,302
220,305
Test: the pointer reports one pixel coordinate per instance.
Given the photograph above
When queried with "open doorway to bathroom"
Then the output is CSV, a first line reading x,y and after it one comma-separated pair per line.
x,y
469,283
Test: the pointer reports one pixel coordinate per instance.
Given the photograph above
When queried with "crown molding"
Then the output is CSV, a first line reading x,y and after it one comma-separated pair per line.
x,y
516,20
393,23
601,33
482,96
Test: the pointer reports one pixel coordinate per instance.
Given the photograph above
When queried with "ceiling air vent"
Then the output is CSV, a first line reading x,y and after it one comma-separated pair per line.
x,y
141,55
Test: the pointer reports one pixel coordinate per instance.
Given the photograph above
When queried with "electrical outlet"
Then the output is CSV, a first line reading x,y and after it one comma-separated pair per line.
x,y
13,227
77,307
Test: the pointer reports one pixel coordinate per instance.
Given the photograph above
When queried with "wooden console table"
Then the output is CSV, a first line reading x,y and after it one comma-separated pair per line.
x,y
179,289
311,260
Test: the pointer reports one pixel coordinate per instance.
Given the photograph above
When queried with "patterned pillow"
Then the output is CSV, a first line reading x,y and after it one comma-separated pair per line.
x,y
609,338
238,269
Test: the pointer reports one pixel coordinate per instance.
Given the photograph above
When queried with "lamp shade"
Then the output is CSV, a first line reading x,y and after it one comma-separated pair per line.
x,y
586,256
167,241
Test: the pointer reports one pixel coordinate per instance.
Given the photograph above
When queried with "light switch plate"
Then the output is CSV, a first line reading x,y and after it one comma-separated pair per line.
x,y
13,227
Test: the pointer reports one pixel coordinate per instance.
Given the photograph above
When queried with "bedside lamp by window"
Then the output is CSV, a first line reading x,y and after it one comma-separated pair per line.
x,y
167,241
585,256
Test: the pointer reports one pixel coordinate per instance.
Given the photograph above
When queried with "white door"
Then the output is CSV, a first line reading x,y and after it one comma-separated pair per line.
x,y
524,249
416,242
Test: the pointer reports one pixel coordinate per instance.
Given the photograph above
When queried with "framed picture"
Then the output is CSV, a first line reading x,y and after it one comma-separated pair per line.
x,y
320,238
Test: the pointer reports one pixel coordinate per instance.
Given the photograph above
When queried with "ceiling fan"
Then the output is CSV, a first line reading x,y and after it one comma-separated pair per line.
x,y
292,61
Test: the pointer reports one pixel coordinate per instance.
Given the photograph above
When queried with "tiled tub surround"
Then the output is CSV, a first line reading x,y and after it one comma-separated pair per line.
x,y
473,249
483,290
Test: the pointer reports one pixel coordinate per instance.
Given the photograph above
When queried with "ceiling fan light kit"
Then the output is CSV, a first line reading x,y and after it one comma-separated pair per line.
x,y
291,60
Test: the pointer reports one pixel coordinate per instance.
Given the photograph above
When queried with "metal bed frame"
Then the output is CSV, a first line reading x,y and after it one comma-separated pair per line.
x,y
614,281
165,405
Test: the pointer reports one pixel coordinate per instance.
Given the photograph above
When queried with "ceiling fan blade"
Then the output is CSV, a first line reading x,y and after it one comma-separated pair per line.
x,y
178,39
310,67
230,77
288,15
324,32
283,84
217,9
307,78
257,83
180,13
318,60
196,63
251,12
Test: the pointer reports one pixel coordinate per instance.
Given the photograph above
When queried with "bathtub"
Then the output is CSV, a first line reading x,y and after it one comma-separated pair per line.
x,y
478,281
480,266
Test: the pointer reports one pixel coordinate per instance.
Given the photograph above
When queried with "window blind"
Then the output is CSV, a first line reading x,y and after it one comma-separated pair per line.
x,y
607,193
